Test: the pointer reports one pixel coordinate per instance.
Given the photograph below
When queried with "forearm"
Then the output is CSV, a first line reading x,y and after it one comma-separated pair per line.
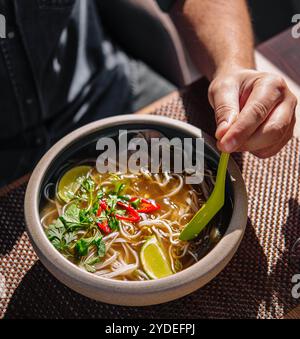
x,y
218,34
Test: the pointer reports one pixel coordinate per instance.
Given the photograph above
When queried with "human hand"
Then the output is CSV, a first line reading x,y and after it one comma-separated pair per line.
x,y
255,111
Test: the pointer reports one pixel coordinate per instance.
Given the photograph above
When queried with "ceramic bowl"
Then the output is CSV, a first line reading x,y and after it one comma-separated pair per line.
x,y
135,293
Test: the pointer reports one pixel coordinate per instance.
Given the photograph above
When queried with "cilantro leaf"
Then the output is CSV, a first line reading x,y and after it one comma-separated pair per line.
x,y
71,218
59,237
112,202
85,217
113,223
82,247
56,230
69,238
100,194
89,264
95,208
72,214
125,197
119,187
88,184
101,248
136,203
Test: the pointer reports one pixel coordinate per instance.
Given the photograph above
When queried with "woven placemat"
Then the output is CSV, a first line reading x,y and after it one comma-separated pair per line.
x,y
256,283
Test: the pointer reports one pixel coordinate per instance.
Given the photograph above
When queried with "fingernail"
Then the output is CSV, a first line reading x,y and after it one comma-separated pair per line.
x,y
230,145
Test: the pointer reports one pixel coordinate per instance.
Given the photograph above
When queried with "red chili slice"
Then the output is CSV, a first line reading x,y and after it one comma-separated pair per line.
x,y
133,215
103,204
104,227
102,207
99,212
146,206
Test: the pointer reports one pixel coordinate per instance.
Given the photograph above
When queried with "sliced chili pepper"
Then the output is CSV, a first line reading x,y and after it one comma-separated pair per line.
x,y
104,227
133,215
102,207
103,204
99,212
146,206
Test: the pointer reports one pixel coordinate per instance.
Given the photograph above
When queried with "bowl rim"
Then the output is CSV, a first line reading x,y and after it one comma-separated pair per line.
x,y
56,262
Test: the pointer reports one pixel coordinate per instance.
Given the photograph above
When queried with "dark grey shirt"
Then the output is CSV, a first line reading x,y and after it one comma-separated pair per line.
x,y
58,68
58,71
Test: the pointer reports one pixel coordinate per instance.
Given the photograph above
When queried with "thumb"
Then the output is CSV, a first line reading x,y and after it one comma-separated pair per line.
x,y
224,99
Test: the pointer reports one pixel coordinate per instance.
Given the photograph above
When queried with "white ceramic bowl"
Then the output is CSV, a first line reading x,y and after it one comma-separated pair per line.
x,y
135,293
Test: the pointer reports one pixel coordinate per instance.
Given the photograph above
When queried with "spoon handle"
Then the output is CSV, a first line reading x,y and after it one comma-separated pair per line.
x,y
213,205
221,175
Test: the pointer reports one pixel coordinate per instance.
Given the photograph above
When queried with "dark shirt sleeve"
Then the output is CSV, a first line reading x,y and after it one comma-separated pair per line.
x,y
165,5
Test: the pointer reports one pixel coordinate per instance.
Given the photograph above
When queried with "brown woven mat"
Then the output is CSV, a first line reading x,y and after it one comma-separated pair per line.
x,y
256,283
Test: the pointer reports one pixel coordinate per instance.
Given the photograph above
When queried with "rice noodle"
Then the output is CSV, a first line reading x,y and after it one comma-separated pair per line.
x,y
126,234
106,262
65,207
171,259
110,236
126,253
134,254
177,189
140,275
46,193
123,270
165,182
111,242
193,255
102,272
46,216
58,208
159,223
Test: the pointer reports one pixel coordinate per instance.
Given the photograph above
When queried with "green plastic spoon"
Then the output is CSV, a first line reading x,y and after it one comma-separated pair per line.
x,y
211,207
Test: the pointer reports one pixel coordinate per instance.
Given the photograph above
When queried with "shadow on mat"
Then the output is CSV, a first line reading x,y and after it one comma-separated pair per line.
x,y
12,224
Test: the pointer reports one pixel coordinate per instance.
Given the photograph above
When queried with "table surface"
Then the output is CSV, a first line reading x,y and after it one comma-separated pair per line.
x,y
282,50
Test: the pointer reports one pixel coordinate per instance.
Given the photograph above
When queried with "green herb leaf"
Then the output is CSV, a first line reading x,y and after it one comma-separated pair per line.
x,y
95,208
101,248
119,187
85,217
112,202
82,247
59,237
69,238
88,184
89,264
125,197
72,214
136,203
113,223
56,230
100,194
120,212
58,244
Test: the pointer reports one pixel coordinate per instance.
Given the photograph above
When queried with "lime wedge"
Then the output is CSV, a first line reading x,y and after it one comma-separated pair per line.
x,y
71,181
154,259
